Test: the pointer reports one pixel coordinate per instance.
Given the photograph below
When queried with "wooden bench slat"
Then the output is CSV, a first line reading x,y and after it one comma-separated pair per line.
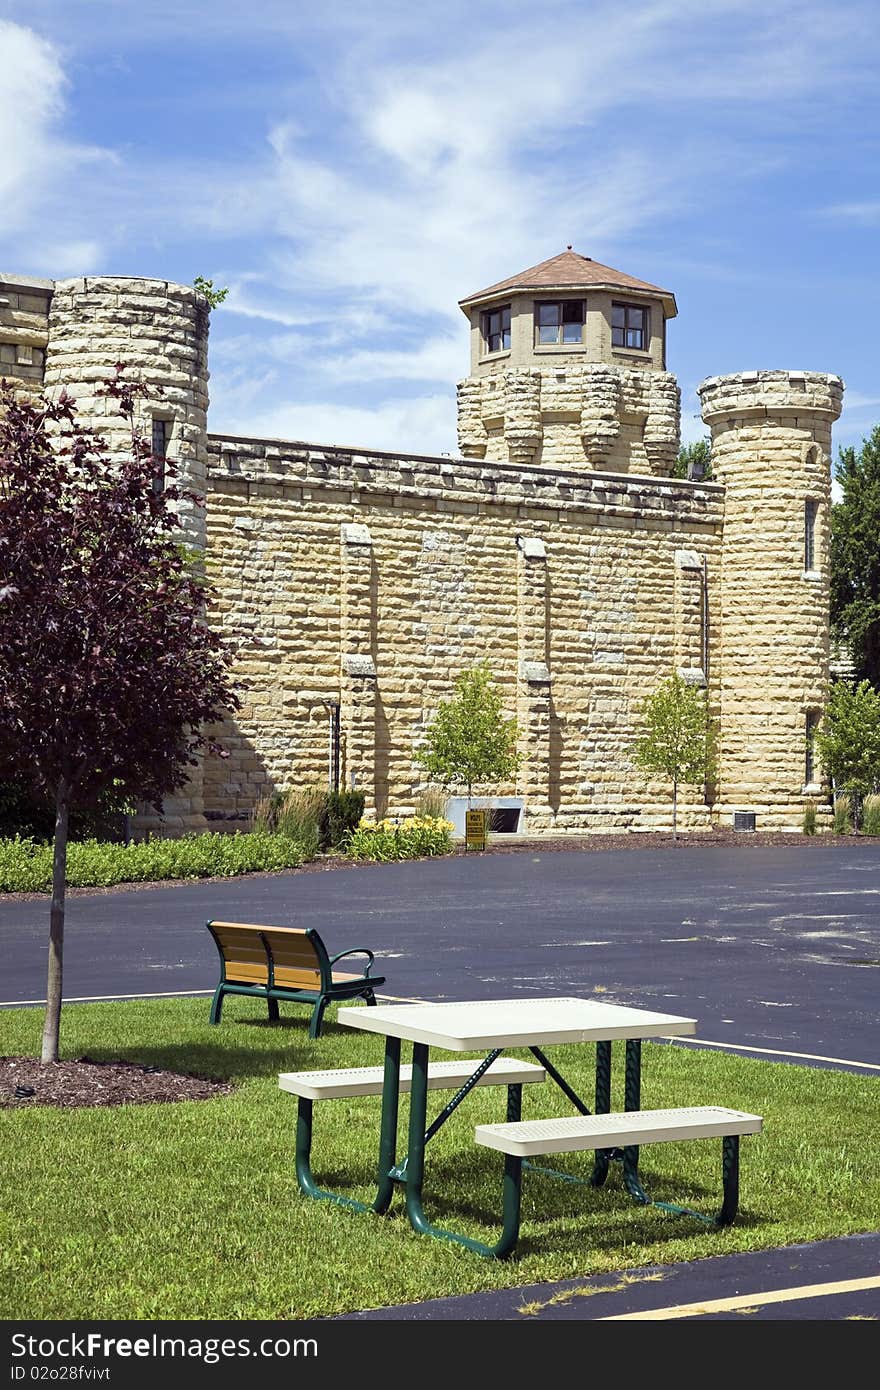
x,y
293,960
298,979
254,927
368,1081
572,1134
248,974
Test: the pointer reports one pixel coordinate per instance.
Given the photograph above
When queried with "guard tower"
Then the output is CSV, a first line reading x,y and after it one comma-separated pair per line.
x,y
771,450
568,369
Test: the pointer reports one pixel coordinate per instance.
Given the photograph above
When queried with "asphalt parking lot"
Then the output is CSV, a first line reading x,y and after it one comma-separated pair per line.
x,y
776,949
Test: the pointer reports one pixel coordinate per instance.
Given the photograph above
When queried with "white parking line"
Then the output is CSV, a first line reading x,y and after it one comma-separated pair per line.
x,y
774,1052
161,994
97,998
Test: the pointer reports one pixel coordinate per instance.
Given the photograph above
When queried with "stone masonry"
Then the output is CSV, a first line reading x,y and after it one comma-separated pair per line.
x,y
558,548
771,450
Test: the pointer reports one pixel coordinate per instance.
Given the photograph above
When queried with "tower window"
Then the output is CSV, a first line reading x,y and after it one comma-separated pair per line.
x,y
496,328
629,326
159,450
811,510
812,724
560,321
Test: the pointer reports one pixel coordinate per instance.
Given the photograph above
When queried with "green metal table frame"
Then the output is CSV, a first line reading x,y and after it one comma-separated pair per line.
x,y
410,1171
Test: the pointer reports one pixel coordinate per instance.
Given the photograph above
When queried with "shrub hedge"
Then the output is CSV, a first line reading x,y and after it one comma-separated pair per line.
x,y
26,866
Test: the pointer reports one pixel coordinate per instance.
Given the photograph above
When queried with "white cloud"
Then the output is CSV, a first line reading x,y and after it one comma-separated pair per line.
x,y
31,100
38,160
442,146
864,214
68,258
693,426
439,359
421,425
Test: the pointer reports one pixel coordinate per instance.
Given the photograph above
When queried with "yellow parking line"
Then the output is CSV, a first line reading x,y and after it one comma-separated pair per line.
x,y
746,1300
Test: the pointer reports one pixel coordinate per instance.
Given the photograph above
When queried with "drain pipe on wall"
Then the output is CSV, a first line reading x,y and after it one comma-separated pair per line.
x,y
333,742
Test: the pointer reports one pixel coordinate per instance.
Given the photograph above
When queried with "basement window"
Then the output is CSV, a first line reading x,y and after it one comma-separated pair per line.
x,y
496,329
629,326
559,321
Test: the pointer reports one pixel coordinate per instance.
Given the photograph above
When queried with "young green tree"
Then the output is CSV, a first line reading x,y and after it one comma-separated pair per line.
x,y
855,557
469,740
698,456
108,670
848,740
677,743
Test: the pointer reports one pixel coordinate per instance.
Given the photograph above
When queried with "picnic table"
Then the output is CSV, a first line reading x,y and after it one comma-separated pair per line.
x,y
490,1026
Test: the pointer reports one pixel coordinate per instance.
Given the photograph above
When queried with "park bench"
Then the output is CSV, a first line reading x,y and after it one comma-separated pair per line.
x,y
344,1082
524,1139
286,963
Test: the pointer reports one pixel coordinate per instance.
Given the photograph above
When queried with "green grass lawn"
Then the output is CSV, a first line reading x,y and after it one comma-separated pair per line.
x,y
192,1210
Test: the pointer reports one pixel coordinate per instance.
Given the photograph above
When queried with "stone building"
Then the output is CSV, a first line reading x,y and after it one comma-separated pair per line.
x,y
357,584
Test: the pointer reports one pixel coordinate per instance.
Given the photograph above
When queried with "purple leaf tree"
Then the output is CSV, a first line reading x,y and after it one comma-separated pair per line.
x,y
108,670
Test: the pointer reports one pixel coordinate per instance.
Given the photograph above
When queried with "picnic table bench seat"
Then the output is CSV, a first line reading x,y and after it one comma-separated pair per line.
x,y
286,963
311,1086
442,1076
627,1130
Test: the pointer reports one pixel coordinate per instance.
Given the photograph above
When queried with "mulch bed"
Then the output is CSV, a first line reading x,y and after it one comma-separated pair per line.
x,y
84,1082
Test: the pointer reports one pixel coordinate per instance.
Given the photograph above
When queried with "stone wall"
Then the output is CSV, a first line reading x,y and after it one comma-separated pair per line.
x,y
372,580
589,415
558,549
24,328
771,449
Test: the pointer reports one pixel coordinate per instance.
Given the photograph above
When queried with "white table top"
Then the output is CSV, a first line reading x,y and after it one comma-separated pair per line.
x,y
490,1023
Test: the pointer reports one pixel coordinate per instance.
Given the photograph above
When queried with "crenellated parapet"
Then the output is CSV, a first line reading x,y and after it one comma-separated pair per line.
x,y
590,415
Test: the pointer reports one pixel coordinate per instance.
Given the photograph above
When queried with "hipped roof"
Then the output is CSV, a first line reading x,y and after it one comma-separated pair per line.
x,y
571,271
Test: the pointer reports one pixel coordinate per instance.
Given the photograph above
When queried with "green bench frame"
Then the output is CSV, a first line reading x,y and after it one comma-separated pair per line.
x,y
285,963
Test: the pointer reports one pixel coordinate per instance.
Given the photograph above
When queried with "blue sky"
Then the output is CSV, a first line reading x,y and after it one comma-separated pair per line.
x,y
351,170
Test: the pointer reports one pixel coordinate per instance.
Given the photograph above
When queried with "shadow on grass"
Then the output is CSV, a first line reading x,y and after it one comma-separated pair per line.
x,y
611,1218
287,1048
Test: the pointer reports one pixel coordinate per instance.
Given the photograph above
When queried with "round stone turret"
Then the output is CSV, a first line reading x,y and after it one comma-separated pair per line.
x,y
159,331
771,449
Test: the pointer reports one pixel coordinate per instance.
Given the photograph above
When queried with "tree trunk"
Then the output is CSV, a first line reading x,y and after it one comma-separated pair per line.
x,y
52,1022
675,810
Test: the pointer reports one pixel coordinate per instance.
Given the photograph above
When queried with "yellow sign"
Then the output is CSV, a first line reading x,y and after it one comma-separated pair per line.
x,y
475,828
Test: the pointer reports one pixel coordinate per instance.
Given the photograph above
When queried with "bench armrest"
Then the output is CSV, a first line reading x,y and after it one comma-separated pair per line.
x,y
355,951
